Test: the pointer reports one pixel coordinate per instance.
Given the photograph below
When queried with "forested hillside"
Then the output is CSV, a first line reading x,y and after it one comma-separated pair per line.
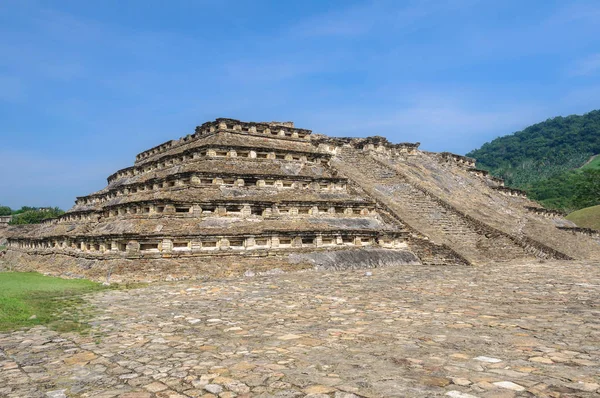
x,y
546,160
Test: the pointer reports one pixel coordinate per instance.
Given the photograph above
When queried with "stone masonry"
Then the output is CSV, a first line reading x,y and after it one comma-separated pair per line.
x,y
243,195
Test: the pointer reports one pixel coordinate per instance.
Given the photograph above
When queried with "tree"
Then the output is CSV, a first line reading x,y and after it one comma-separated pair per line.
x,y
587,189
546,160
35,216
24,209
5,211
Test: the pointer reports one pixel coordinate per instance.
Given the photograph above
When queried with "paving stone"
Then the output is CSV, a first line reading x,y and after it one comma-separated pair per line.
x,y
460,381
135,395
79,359
56,394
487,359
435,381
541,360
458,394
155,387
213,388
509,385
581,386
318,389
141,343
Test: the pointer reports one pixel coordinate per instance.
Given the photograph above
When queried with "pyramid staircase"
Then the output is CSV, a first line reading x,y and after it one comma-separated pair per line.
x,y
429,215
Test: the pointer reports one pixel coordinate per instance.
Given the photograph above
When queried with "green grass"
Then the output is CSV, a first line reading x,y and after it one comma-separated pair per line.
x,y
586,218
51,300
593,165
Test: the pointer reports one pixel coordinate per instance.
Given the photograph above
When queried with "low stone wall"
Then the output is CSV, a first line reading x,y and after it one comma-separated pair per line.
x,y
511,192
540,211
377,144
484,174
460,160
357,259
594,233
198,268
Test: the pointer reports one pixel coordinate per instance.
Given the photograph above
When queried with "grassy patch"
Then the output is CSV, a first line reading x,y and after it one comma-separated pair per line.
x,y
586,218
593,164
28,299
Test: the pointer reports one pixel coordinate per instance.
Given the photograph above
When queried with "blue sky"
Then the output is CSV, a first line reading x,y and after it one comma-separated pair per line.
x,y
86,85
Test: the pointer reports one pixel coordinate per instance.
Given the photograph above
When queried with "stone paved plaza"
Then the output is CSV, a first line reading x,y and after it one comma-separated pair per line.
x,y
502,330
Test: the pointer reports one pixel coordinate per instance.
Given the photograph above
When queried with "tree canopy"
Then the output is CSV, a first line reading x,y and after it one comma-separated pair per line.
x,y
544,159
34,215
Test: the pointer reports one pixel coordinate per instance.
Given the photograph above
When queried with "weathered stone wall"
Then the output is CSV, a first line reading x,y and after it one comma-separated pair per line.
x,y
195,268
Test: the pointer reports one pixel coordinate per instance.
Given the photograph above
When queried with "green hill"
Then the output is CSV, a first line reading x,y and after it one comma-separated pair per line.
x,y
551,160
586,218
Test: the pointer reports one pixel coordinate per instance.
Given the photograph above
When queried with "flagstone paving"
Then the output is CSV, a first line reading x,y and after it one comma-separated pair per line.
x,y
503,330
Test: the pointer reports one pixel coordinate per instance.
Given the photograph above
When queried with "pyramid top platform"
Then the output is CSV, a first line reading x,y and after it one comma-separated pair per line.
x,y
278,130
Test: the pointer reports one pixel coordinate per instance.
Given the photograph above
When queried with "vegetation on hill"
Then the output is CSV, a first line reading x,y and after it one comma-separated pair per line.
x,y
586,218
570,190
30,215
550,160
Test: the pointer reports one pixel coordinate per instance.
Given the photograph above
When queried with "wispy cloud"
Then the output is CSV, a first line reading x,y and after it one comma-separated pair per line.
x,y
346,22
371,16
586,66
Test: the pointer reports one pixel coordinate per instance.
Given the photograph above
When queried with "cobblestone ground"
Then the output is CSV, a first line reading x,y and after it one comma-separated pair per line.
x,y
495,331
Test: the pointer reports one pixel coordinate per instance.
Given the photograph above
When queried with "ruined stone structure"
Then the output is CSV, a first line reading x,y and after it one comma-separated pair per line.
x,y
248,197
4,220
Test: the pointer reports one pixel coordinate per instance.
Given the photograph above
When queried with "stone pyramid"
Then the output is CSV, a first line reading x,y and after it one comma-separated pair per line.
x,y
252,197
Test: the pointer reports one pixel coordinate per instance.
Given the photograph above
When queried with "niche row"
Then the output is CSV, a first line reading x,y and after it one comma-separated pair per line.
x,y
232,126
204,179
212,152
206,243
217,209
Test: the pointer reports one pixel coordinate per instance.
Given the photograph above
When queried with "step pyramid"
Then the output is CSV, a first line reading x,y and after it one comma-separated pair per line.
x,y
244,196
231,188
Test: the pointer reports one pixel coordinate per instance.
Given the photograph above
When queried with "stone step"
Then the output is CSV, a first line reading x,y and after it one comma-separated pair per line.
x,y
426,213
